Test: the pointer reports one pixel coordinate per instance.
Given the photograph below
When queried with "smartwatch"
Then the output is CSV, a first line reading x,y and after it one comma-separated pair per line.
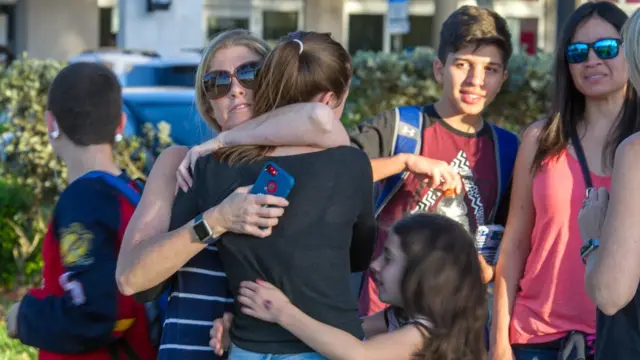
x,y
203,230
588,248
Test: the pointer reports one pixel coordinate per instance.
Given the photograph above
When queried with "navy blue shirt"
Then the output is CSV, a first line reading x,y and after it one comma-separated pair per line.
x,y
77,308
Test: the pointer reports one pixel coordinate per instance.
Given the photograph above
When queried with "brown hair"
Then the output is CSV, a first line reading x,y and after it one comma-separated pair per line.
x,y
291,74
441,259
568,105
225,39
474,26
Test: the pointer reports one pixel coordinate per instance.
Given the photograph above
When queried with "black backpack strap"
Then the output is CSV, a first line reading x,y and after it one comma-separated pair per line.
x,y
582,159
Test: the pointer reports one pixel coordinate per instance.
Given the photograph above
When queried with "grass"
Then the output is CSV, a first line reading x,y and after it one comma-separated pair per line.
x,y
11,349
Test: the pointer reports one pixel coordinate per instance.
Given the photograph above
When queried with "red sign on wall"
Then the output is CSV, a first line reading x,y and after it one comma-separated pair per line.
x,y
528,40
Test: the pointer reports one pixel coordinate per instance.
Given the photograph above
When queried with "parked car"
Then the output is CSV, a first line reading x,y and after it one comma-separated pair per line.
x,y
173,71
174,105
120,61
145,68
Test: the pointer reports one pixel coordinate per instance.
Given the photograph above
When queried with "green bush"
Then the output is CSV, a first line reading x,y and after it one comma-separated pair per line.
x,y
11,349
383,81
30,172
29,166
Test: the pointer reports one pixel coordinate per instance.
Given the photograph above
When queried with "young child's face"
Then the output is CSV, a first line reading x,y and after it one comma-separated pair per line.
x,y
471,78
388,270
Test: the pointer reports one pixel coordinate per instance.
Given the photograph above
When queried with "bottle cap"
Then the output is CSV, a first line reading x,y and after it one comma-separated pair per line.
x,y
449,192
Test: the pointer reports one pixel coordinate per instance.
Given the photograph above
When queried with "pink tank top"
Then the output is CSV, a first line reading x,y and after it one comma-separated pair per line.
x,y
552,299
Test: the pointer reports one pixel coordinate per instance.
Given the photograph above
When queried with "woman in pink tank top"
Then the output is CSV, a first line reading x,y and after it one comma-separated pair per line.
x,y
541,309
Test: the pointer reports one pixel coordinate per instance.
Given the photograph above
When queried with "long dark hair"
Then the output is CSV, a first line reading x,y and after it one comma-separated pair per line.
x,y
291,74
443,282
569,104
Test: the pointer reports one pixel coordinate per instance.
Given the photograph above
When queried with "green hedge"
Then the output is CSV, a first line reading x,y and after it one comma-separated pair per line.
x,y
31,180
383,81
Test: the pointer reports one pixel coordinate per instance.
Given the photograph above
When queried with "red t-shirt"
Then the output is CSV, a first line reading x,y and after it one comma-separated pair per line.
x,y
473,155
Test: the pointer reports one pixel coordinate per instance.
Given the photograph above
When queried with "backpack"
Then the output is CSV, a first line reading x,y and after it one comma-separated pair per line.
x,y
155,309
408,139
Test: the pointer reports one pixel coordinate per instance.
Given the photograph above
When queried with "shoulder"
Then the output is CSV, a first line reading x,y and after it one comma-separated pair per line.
x,y
171,157
531,133
353,157
86,207
87,193
206,165
382,121
628,149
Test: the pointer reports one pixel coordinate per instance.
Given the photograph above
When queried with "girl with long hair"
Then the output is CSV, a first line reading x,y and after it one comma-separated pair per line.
x,y
430,275
328,229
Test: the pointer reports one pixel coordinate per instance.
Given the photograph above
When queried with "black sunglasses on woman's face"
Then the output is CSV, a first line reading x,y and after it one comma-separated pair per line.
x,y
217,83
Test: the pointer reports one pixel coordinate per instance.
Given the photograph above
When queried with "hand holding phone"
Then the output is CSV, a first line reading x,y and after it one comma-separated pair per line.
x,y
273,181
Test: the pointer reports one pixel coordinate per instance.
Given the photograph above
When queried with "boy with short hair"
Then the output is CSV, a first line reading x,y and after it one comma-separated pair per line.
x,y
78,312
475,47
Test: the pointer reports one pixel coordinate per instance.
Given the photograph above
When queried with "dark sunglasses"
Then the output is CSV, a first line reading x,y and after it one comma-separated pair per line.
x,y
218,83
605,49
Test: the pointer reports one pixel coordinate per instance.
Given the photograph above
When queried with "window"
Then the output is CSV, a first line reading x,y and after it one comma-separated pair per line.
x,y
365,33
107,34
216,25
277,24
419,34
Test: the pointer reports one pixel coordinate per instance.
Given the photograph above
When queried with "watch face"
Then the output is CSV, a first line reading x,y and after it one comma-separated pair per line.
x,y
201,230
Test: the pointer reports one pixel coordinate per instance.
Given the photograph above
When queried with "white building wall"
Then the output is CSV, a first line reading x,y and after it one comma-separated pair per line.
x,y
56,29
165,31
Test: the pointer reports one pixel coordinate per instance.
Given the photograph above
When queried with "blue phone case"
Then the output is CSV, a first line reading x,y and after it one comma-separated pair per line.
x,y
273,180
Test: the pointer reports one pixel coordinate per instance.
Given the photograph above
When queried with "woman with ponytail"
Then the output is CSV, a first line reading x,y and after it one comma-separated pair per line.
x,y
327,231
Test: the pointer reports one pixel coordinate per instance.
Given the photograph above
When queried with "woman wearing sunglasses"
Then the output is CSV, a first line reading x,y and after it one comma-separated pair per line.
x,y
151,258
541,309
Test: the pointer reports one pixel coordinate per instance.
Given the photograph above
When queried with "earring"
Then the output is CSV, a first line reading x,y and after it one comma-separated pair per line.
x,y
118,137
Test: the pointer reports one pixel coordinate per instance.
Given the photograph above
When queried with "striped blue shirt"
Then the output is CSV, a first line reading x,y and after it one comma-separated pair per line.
x,y
199,295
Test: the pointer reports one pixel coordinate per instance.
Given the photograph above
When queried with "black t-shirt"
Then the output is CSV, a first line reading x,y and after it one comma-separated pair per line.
x,y
326,232
618,336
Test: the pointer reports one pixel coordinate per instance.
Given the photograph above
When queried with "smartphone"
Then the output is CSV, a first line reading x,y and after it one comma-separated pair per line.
x,y
273,180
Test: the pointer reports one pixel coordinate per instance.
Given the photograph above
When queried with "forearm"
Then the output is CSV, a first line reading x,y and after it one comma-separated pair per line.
x,y
312,124
508,273
327,340
590,280
605,293
154,260
384,167
55,324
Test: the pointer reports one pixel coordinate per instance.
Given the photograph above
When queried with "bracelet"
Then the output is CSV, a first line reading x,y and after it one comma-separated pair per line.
x,y
588,248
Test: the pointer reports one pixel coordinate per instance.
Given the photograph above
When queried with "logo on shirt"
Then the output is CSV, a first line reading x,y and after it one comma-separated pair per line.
x,y
75,245
461,164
